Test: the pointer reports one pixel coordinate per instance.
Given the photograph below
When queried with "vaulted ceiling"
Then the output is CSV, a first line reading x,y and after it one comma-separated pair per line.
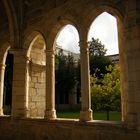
x,y
4,27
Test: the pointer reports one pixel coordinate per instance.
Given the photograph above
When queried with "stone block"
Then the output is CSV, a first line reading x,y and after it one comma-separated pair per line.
x,y
33,113
41,79
39,86
34,79
32,105
17,90
40,113
18,105
41,104
41,92
37,99
19,77
19,83
32,85
32,92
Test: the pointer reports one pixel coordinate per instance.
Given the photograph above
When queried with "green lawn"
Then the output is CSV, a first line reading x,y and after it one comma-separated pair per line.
x,y
114,116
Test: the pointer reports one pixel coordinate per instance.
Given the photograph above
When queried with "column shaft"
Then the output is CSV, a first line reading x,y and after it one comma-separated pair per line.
x,y
50,112
86,112
1,88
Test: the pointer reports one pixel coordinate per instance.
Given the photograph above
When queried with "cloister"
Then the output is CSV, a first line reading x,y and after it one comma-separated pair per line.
x,y
28,30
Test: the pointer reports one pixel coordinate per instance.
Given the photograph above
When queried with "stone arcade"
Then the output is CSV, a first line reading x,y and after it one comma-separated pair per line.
x,y
28,29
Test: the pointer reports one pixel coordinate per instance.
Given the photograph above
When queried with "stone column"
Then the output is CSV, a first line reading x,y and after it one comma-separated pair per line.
x,y
20,84
131,84
131,115
86,112
2,71
50,112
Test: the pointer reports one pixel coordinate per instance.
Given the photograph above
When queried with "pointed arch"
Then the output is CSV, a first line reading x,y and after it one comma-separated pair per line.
x,y
3,71
121,41
56,29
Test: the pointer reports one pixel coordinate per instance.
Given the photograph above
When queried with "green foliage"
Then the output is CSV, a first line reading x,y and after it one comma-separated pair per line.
x,y
106,94
98,65
105,82
65,75
96,48
98,60
105,78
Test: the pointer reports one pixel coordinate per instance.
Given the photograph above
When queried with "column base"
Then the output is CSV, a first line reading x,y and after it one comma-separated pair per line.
x,y
1,112
86,115
20,113
50,114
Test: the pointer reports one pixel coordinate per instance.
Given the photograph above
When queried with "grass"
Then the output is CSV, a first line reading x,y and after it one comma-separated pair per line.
x,y
114,116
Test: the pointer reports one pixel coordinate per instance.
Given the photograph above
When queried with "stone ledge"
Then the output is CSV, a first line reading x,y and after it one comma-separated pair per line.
x,y
67,121
64,129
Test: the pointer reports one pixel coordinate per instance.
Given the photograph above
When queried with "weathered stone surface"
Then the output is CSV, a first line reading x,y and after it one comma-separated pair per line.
x,y
31,28
39,129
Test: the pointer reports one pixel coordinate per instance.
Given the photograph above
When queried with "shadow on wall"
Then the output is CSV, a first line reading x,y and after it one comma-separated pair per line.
x,y
7,98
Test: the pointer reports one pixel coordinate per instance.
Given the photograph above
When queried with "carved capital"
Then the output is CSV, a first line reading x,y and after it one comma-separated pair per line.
x,y
2,66
50,52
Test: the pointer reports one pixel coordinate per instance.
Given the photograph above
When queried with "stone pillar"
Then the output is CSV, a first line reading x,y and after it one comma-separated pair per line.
x,y
2,71
20,85
50,112
132,97
132,84
86,112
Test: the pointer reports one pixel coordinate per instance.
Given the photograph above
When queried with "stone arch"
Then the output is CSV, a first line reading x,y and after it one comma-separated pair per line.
x,y
96,11
69,100
50,73
112,10
30,40
3,53
56,29
35,51
3,56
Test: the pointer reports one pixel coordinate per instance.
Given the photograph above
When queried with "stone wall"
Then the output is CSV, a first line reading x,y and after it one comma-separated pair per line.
x,y
37,83
38,129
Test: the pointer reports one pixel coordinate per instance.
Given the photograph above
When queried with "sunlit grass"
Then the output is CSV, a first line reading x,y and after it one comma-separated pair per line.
x,y
114,116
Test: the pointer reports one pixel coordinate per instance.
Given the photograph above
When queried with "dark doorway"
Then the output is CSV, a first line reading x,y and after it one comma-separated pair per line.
x,y
7,101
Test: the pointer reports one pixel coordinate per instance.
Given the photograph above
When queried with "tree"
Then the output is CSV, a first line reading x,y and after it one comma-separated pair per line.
x,y
98,60
65,76
78,80
106,95
60,72
96,48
